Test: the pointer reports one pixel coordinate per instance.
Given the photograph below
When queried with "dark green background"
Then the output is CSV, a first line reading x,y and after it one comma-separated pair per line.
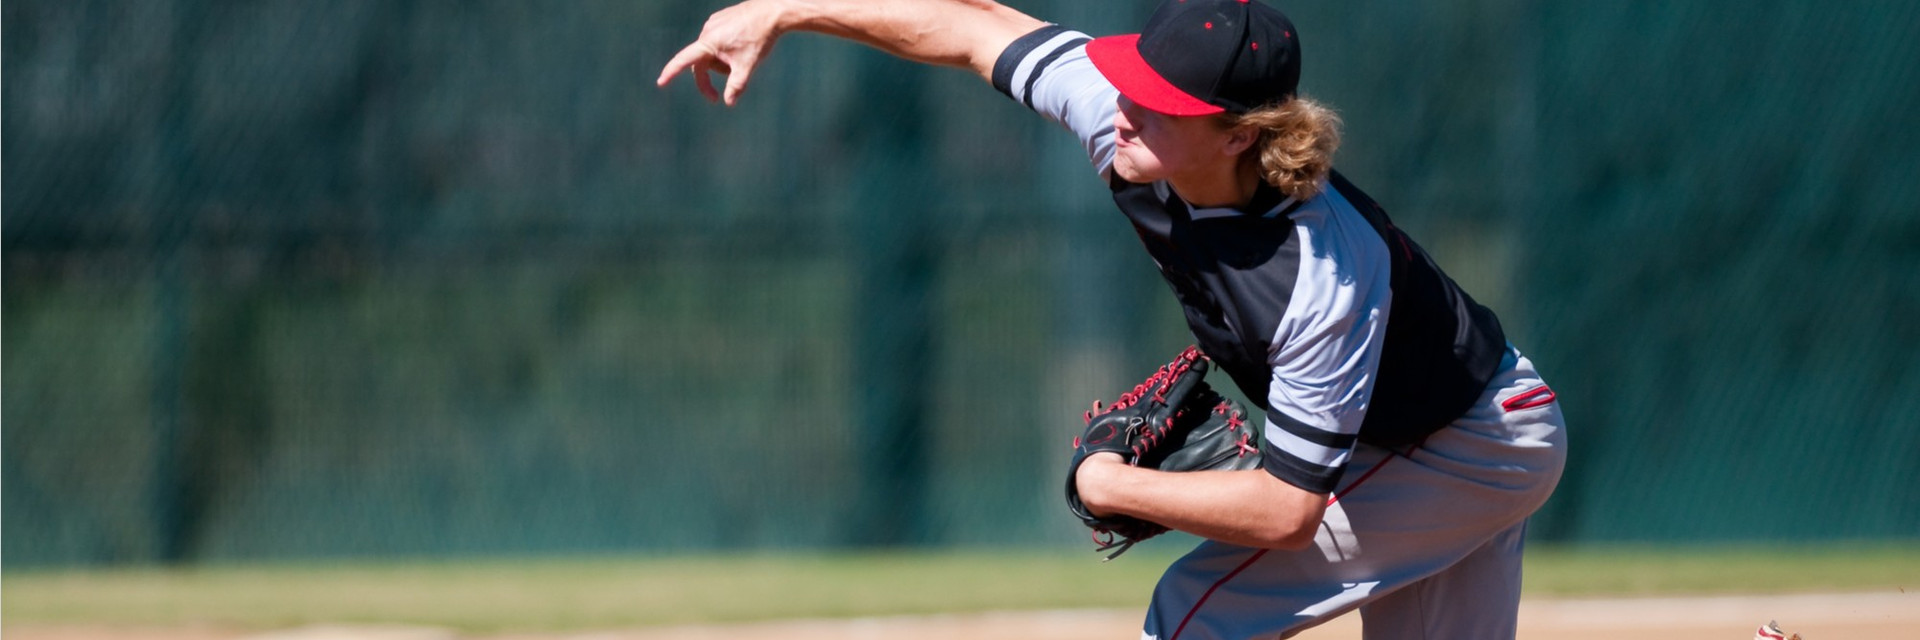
x,y
401,277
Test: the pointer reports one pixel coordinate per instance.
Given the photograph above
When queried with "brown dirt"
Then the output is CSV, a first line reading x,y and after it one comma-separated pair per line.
x,y
1860,616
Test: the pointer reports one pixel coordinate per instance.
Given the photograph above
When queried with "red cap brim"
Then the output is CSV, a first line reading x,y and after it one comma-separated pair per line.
x,y
1118,58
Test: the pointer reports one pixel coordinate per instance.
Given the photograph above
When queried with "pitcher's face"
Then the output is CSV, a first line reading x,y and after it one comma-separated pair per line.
x,y
1150,146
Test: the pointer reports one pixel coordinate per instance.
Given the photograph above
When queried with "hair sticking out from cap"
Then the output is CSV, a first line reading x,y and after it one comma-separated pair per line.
x,y
1297,141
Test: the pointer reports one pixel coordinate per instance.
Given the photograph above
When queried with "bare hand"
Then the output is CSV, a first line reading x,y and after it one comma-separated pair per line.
x,y
732,43
1094,474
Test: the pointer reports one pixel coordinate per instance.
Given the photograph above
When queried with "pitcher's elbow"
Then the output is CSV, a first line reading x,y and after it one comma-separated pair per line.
x,y
1297,539
1294,538
1283,534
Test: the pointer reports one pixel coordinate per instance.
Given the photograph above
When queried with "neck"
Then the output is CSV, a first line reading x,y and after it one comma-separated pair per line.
x,y
1219,189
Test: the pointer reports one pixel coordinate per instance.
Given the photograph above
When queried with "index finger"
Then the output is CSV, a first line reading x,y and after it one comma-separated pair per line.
x,y
681,62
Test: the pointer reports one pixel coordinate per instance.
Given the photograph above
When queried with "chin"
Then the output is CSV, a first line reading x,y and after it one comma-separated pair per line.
x,y
1131,172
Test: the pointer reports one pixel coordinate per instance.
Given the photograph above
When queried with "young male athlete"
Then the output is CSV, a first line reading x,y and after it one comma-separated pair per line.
x,y
1405,441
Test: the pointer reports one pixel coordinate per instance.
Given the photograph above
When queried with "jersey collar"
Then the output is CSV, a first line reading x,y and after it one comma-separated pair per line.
x,y
1267,202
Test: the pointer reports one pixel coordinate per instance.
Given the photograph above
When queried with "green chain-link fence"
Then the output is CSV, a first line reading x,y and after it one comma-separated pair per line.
x,y
410,277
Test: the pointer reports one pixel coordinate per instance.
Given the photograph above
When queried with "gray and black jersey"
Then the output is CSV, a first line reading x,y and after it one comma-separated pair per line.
x,y
1332,320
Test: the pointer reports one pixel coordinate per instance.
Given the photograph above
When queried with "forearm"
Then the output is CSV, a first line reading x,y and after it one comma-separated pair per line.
x,y
968,34
1250,508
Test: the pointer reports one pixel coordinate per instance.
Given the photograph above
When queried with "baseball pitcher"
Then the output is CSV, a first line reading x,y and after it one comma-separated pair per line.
x,y
1402,441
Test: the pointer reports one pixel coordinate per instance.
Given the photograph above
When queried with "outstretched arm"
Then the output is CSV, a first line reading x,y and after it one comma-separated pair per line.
x,y
968,34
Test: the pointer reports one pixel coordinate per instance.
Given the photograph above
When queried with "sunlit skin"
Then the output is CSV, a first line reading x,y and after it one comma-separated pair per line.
x,y
1205,162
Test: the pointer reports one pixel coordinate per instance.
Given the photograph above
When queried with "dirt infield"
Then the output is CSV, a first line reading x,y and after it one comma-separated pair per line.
x,y
1859,616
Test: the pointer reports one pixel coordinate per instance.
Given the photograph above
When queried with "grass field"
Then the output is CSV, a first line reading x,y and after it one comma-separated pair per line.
x,y
562,594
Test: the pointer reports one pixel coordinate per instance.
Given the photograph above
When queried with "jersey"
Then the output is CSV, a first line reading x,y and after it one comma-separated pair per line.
x,y
1328,317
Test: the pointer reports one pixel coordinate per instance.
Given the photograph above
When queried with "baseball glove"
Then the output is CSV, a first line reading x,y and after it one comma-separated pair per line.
x,y
1172,421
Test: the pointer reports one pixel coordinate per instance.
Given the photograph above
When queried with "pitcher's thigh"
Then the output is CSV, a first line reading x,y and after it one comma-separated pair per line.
x,y
1477,597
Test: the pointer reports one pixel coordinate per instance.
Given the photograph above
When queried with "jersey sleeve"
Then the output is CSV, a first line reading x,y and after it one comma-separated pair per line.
x,y
1326,351
1048,71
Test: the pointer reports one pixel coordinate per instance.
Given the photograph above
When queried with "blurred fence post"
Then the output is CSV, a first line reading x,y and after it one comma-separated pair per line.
x,y
895,262
171,225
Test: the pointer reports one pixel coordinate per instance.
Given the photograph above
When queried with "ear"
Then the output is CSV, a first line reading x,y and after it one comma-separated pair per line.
x,y
1240,139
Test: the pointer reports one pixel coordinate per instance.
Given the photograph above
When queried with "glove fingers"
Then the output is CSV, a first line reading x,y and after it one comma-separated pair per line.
x,y
1145,426
1186,380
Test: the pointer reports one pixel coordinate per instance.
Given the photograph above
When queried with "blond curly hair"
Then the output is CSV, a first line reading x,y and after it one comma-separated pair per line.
x,y
1296,145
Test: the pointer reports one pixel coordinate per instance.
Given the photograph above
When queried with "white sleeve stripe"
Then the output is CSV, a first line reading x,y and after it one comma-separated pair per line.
x,y
1297,472
1306,450
1024,73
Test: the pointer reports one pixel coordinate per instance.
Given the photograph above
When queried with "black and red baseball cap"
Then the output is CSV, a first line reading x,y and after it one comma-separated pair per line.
x,y
1202,57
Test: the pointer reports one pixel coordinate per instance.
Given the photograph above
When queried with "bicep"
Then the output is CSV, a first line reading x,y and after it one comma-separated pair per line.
x,y
997,27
